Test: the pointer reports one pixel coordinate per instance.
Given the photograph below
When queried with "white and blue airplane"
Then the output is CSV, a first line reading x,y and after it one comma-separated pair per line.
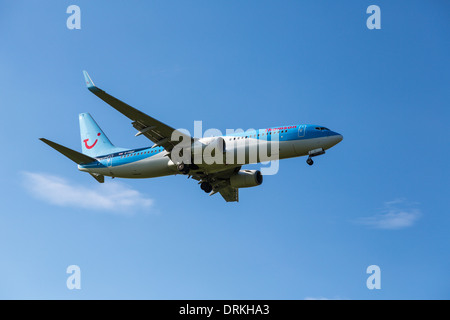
x,y
101,158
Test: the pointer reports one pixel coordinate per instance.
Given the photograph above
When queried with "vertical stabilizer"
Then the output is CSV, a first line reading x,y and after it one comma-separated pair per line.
x,y
94,142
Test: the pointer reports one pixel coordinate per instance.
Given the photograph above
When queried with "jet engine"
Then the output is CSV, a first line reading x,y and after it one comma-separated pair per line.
x,y
246,179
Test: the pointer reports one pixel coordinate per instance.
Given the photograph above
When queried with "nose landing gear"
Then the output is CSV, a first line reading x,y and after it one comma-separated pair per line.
x,y
314,153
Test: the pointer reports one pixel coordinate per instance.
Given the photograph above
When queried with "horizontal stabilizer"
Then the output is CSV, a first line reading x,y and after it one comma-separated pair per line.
x,y
73,155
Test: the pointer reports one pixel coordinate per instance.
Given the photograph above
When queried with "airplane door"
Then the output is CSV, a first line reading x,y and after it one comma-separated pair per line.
x,y
301,131
298,144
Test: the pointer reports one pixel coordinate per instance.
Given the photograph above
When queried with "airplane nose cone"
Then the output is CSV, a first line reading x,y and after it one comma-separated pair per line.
x,y
336,138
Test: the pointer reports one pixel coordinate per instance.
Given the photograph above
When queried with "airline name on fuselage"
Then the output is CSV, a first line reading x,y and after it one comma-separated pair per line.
x,y
281,128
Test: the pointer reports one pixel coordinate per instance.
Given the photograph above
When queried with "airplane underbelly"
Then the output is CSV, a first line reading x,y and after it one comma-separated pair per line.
x,y
146,168
302,147
260,151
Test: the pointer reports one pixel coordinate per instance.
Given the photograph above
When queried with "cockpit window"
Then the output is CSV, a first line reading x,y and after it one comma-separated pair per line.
x,y
322,129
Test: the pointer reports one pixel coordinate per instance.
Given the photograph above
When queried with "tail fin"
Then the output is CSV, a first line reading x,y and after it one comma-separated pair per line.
x,y
94,142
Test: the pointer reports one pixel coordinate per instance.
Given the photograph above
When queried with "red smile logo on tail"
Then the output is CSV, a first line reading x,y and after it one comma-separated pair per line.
x,y
95,142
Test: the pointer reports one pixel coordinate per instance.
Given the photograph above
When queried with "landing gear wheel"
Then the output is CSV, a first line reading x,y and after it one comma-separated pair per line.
x,y
183,168
310,161
206,186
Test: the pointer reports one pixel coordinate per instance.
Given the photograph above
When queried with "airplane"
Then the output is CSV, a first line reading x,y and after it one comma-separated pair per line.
x,y
100,158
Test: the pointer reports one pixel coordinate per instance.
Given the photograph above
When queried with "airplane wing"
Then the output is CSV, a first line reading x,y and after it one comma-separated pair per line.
x,y
159,133
230,194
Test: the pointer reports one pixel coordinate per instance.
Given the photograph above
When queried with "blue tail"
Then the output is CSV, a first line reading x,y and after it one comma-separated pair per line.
x,y
94,142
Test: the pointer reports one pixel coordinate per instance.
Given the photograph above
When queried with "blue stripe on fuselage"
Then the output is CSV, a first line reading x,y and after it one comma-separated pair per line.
x,y
124,157
285,133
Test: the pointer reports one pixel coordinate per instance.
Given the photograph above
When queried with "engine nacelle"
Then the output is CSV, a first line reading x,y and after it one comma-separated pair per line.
x,y
246,179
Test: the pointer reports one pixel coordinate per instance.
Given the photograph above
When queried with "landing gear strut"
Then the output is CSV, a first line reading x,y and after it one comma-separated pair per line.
x,y
314,153
206,186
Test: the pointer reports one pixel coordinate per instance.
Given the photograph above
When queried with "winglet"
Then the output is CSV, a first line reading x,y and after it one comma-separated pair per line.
x,y
89,83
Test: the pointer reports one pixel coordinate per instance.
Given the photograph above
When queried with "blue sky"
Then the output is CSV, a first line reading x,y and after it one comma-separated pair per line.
x,y
380,197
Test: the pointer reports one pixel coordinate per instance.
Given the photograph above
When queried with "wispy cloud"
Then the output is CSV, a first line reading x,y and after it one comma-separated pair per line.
x,y
110,196
396,214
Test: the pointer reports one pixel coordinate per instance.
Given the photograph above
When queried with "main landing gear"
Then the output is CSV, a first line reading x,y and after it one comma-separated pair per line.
x,y
310,161
186,168
206,186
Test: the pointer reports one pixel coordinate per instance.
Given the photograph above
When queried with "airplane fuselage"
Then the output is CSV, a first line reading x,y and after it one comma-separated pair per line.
x,y
277,142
